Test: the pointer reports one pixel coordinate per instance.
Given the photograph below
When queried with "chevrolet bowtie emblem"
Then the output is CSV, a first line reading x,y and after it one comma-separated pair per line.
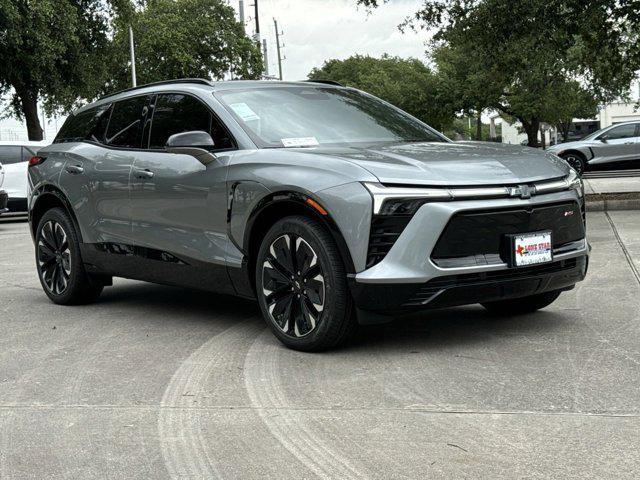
x,y
522,191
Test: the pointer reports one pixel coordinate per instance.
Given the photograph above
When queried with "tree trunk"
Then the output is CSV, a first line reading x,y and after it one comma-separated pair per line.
x,y
531,127
542,136
29,101
479,125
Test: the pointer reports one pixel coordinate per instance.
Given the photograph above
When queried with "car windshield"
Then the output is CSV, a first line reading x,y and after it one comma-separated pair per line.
x,y
301,116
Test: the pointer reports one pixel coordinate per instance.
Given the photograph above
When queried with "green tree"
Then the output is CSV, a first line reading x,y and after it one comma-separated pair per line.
x,y
406,83
54,51
525,51
184,38
569,101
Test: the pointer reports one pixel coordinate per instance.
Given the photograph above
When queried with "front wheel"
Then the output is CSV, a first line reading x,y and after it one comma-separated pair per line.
x,y
301,286
519,306
575,161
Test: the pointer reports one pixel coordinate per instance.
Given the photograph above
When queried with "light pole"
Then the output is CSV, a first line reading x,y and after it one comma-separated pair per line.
x,y
134,83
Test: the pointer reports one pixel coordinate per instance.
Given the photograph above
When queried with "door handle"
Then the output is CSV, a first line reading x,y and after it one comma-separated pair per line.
x,y
74,169
144,174
629,143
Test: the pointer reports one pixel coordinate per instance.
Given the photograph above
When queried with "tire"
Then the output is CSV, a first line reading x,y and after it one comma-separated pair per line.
x,y
305,302
519,306
60,268
576,161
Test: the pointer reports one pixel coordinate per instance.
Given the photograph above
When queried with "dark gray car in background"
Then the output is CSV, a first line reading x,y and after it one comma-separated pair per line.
x,y
328,205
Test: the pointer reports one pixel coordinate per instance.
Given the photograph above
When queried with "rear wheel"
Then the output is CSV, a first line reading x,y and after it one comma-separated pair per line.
x,y
575,161
58,260
518,306
301,286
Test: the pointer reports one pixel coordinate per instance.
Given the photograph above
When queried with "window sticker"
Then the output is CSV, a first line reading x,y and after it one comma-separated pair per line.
x,y
300,142
244,112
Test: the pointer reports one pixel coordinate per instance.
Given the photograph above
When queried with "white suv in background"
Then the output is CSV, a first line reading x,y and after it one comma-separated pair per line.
x,y
14,157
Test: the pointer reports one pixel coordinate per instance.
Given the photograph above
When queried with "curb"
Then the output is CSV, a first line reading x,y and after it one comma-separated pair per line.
x,y
603,202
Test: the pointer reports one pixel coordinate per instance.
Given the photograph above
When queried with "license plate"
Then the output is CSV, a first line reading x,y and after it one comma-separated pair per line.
x,y
531,248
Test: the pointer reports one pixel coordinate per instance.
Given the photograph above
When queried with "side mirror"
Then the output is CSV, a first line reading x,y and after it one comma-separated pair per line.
x,y
196,143
603,138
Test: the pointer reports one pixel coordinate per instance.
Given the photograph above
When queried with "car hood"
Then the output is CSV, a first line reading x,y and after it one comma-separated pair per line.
x,y
452,163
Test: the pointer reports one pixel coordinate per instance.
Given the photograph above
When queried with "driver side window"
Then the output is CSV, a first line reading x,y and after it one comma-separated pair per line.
x,y
623,131
177,113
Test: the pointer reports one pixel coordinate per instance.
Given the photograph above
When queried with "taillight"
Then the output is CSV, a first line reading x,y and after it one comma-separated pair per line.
x,y
33,161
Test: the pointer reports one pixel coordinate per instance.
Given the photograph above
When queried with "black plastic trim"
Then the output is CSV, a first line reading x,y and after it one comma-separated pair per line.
x,y
454,290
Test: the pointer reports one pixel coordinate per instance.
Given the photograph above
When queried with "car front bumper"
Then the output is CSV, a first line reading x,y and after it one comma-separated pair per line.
x,y
408,278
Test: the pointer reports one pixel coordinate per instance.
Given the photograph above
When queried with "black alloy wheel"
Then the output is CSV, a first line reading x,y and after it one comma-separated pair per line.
x,y
576,162
301,285
60,267
54,257
293,285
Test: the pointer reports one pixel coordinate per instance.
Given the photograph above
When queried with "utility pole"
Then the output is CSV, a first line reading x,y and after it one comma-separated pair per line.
x,y
275,23
265,57
257,25
241,11
134,83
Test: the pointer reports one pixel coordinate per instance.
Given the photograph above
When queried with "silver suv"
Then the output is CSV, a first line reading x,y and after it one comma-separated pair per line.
x,y
328,205
615,144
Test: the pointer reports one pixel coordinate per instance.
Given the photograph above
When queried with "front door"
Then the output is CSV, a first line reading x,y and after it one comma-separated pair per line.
x,y
178,205
617,144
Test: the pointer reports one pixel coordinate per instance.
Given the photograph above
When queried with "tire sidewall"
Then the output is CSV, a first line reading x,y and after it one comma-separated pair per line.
x,y
335,306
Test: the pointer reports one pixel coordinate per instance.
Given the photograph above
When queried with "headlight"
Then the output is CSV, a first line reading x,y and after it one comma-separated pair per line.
x,y
575,182
402,200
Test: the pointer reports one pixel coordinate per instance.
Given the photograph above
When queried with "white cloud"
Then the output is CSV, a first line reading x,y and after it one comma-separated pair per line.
x,y
318,30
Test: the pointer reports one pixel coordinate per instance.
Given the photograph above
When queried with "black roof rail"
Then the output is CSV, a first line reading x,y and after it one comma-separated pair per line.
x,y
200,81
327,82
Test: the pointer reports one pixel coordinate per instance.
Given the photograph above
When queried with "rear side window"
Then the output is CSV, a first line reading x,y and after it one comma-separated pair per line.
x,y
176,113
81,126
126,121
10,154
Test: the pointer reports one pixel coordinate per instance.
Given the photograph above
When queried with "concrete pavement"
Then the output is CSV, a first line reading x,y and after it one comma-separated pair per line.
x,y
158,382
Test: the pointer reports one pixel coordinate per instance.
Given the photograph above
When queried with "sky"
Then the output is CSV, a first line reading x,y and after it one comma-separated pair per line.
x,y
318,30
314,31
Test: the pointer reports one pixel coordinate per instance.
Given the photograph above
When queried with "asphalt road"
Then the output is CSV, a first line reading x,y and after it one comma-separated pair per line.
x,y
155,382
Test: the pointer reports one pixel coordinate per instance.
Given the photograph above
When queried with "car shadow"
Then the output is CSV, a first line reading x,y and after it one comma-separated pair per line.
x,y
455,326
430,329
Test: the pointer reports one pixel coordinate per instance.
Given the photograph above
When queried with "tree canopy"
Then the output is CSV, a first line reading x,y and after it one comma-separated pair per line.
x,y
406,83
61,52
54,51
182,39
520,56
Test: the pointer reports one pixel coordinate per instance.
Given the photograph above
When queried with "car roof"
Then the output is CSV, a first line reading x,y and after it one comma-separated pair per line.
x,y
201,84
23,143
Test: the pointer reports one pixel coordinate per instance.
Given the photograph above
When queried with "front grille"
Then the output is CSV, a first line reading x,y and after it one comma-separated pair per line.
x,y
482,233
432,287
385,230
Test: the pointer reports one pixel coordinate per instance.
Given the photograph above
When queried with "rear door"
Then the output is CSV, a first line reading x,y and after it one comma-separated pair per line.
x,y
178,204
96,174
617,144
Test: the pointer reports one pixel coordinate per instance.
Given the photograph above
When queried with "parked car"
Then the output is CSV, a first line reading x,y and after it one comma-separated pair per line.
x,y
618,143
3,195
15,158
328,205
